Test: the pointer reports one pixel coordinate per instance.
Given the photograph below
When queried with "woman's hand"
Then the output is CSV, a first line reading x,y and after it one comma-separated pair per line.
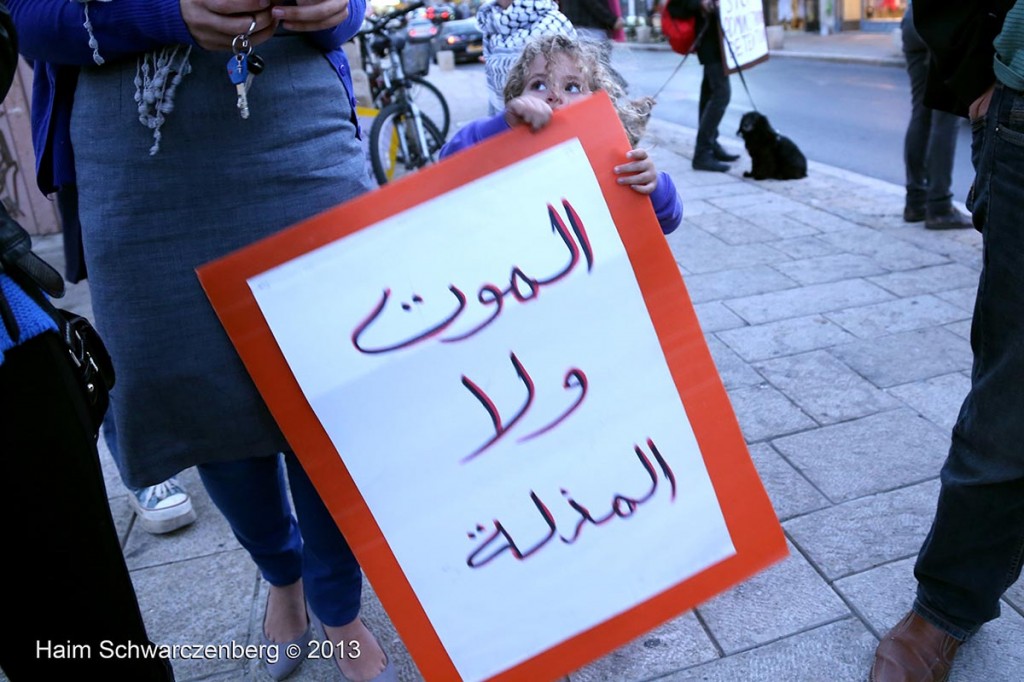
x,y
311,15
530,111
215,23
639,173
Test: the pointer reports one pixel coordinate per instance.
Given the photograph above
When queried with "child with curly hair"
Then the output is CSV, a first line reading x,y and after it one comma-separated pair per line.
x,y
555,70
507,26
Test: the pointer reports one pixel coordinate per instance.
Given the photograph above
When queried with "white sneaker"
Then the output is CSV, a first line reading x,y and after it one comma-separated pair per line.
x,y
163,507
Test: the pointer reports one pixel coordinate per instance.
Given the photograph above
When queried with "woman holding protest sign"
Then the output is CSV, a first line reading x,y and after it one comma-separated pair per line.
x,y
197,128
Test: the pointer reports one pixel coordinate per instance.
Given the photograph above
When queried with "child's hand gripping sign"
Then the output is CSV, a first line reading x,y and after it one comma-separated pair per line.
x,y
493,374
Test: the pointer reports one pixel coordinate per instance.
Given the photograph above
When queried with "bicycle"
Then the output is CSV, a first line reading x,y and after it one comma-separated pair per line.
x,y
416,64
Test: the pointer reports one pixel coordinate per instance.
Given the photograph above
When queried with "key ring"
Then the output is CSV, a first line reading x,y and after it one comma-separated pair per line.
x,y
240,43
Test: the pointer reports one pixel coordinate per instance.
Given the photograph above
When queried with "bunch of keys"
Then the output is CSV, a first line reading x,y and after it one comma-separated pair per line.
x,y
243,66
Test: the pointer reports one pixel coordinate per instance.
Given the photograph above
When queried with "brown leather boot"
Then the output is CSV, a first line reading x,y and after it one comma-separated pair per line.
x,y
914,651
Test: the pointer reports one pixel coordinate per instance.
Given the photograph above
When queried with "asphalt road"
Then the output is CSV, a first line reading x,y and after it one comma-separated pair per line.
x,y
852,116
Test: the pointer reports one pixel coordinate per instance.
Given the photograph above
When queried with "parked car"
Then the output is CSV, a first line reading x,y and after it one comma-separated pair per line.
x,y
460,37
420,30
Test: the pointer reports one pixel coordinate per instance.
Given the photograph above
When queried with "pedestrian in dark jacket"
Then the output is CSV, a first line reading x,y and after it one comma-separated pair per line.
x,y
973,551
715,92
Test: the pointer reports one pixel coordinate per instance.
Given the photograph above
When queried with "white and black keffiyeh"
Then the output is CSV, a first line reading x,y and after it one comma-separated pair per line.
x,y
506,32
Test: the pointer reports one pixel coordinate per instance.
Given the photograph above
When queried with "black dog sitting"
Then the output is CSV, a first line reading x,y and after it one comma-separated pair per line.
x,y
774,156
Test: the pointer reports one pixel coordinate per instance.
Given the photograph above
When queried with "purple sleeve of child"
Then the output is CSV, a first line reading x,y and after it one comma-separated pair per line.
x,y
667,204
474,132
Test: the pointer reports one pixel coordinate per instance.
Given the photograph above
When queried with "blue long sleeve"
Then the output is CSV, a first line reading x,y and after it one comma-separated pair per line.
x,y
53,30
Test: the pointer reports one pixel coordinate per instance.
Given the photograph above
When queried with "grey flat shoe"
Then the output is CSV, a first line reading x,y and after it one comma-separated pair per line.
x,y
283,658
388,674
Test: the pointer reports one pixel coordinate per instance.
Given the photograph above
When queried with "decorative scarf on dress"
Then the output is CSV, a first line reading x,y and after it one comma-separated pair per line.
x,y
157,76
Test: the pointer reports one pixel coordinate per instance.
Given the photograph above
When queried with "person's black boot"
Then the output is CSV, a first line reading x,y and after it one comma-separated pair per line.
x,y
705,161
721,155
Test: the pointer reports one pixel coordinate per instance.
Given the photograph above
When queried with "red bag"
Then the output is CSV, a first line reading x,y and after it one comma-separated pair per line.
x,y
680,33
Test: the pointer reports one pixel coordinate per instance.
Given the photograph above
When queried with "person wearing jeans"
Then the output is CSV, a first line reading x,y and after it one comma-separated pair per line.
x,y
929,145
975,547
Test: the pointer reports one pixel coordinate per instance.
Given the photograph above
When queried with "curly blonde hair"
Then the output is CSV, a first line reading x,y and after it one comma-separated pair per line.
x,y
634,114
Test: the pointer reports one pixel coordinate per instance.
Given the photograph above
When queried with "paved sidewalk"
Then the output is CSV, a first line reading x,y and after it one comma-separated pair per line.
x,y
841,335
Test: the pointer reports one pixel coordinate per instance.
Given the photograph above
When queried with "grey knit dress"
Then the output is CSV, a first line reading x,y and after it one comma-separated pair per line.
x,y
216,184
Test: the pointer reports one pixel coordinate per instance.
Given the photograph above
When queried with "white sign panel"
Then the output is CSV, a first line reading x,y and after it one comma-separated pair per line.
x,y
485,367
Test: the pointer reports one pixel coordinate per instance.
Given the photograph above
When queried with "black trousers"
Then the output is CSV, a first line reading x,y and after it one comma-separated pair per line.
x,y
69,599
715,93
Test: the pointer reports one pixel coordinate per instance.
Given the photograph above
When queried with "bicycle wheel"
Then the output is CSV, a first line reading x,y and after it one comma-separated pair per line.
x,y
428,98
386,156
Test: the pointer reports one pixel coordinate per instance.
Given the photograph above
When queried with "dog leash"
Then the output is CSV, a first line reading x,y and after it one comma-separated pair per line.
x,y
739,70
696,43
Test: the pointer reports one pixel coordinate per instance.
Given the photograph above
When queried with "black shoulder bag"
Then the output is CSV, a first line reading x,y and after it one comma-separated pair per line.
x,y
87,354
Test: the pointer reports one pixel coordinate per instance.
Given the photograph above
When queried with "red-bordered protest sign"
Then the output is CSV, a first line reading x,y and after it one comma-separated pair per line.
x,y
494,376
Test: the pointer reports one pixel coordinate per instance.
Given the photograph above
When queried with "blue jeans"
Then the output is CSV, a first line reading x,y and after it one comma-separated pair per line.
x,y
252,495
974,550
930,142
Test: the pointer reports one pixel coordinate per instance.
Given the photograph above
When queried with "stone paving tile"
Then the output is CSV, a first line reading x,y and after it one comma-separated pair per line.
x,y
937,400
821,220
805,247
199,611
785,599
825,388
808,300
696,207
791,494
881,596
714,316
963,247
716,286
711,186
837,652
785,337
731,229
754,203
868,455
961,329
680,643
210,534
994,654
892,317
906,357
735,373
861,534
929,280
763,412
963,297
781,225
831,268
700,252
890,254
1015,595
